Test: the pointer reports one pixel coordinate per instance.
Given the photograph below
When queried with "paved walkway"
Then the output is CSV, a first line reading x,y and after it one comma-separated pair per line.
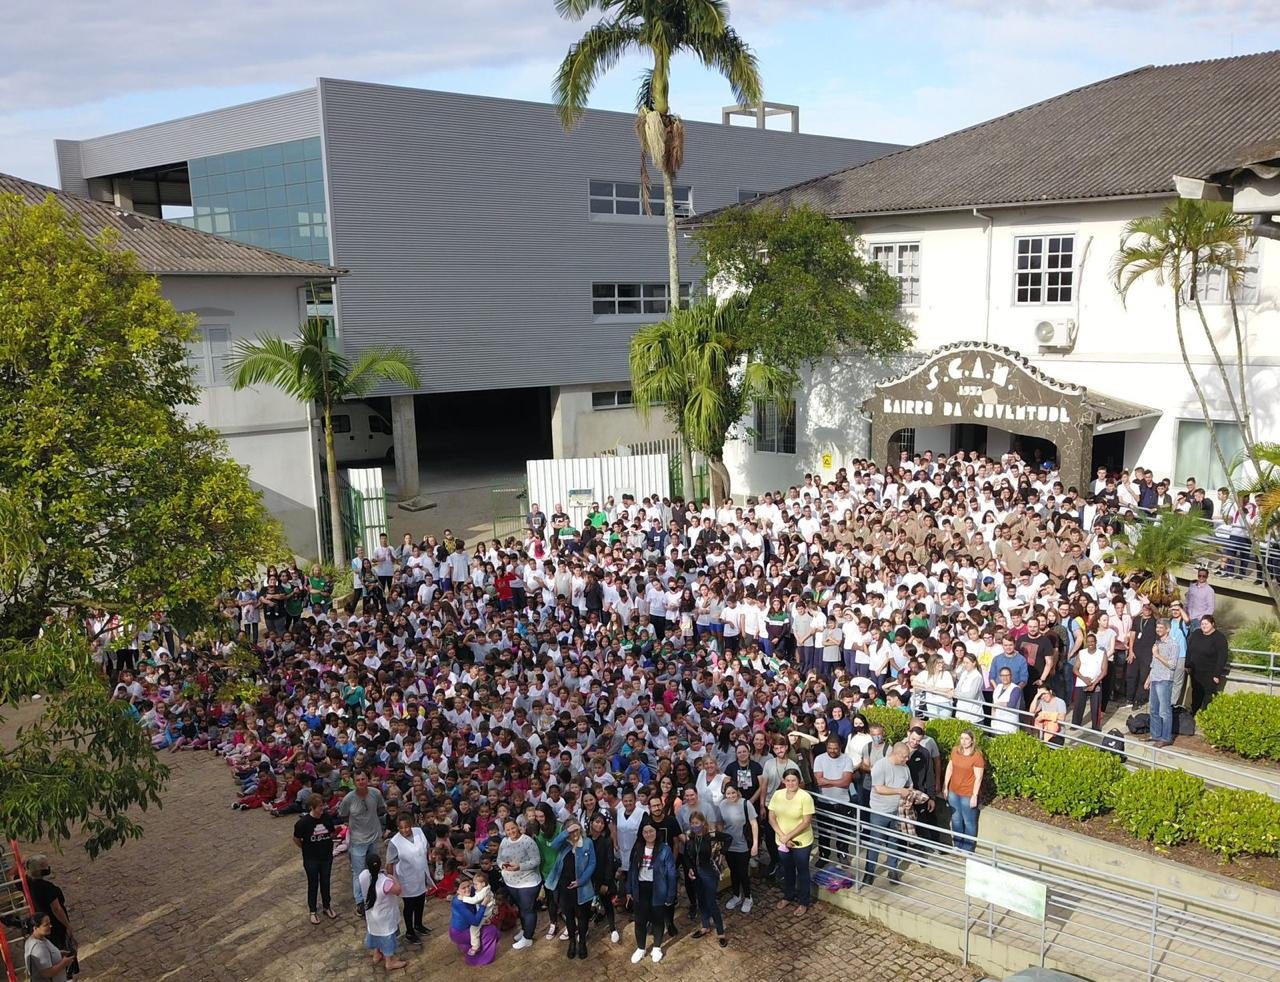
x,y
211,894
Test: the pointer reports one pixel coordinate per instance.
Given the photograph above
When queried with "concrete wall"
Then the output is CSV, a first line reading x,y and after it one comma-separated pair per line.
x,y
266,430
578,430
1129,351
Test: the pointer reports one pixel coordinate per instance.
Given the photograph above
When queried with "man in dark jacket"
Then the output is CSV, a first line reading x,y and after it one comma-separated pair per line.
x,y
1207,659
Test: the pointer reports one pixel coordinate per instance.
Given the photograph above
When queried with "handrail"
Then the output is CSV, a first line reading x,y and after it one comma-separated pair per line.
x,y
1186,937
1268,674
1212,770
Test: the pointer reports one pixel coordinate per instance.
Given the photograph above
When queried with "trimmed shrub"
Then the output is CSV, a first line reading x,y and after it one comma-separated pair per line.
x,y
1250,642
946,733
1232,822
1011,762
895,722
1078,782
1246,722
1158,805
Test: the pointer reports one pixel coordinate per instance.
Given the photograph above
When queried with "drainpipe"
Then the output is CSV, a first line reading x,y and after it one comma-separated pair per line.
x,y
986,280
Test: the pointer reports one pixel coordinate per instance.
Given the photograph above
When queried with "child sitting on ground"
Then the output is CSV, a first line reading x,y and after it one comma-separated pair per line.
x,y
481,896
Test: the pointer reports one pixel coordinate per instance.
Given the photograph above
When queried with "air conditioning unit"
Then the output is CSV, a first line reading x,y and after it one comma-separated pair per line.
x,y
1056,335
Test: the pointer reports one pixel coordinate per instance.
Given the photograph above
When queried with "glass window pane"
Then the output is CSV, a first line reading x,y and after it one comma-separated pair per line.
x,y
629,306
623,190
626,206
293,151
601,400
628,289
601,206
273,154
602,308
602,290
602,189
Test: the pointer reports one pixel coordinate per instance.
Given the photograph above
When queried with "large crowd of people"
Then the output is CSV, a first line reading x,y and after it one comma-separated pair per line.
x,y
596,719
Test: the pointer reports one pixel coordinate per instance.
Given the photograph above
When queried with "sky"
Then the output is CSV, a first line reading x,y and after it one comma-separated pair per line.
x,y
892,71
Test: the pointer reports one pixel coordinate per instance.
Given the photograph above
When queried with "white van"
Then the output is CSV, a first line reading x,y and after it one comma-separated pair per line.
x,y
359,434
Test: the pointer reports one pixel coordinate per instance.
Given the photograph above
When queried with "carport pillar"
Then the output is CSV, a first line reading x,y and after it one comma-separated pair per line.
x,y
404,438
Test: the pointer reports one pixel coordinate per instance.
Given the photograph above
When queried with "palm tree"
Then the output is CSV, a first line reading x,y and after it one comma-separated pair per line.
x,y
659,29
1178,247
694,365
1265,483
309,369
1158,548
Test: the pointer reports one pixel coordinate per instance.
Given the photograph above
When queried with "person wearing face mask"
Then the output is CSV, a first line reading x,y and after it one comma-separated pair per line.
x,y
702,852
873,750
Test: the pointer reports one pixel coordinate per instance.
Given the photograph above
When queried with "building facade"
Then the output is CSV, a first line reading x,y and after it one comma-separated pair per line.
x,y
1005,235
510,256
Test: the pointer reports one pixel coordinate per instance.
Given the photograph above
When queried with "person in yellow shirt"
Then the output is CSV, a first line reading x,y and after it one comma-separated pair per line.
x,y
791,817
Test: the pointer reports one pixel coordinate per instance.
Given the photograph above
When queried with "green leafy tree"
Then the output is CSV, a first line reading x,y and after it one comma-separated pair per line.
x,y
1158,549
810,293
659,30
312,371
110,499
694,366
1178,248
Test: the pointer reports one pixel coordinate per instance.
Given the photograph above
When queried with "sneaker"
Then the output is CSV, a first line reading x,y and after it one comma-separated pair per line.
x,y
564,935
615,937
746,906
637,956
360,909
519,936
732,903
657,954
551,933
411,938
522,943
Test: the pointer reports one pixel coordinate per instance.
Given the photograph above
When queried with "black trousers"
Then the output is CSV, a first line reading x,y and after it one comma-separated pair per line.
x,y
577,917
413,907
1136,677
648,917
1203,689
318,871
770,841
739,873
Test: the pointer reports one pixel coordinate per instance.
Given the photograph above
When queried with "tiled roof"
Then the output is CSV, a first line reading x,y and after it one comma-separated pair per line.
x,y
1122,137
166,249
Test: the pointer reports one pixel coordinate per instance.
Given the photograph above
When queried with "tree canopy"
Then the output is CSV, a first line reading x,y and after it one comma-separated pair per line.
x,y
111,499
810,293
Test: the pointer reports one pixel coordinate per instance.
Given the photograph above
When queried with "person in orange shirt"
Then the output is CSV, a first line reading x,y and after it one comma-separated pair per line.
x,y
962,782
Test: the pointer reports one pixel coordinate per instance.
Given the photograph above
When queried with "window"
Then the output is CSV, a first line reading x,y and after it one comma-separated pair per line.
x,y
904,440
611,399
901,260
775,429
623,198
317,302
1212,283
1045,269
342,424
207,355
744,196
615,299
378,425
1196,456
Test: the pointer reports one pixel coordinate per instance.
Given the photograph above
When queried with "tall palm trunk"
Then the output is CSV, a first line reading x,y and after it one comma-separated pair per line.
x,y
686,468
673,254
335,504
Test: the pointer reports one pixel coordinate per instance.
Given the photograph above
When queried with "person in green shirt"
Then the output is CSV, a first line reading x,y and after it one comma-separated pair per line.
x,y
320,589
294,601
986,591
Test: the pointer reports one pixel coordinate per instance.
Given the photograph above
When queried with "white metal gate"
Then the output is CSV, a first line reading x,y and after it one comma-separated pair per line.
x,y
575,482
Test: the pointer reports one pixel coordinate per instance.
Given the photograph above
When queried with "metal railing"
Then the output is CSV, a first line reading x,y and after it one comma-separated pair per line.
x,y
1095,921
1252,673
1214,771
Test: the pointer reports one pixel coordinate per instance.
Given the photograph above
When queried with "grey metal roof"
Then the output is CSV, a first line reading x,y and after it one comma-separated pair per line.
x,y
166,249
1121,137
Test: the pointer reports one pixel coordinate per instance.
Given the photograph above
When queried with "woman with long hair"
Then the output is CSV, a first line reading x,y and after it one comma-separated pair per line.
x,y
570,879
381,913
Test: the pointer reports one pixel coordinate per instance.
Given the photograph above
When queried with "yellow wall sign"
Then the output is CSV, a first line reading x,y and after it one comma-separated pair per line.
x,y
827,461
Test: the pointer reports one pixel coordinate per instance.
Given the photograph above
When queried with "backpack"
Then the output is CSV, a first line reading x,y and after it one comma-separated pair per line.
x,y
1184,723
1138,723
1114,743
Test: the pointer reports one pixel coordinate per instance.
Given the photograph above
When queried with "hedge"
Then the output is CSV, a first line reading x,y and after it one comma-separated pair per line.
x,y
946,733
895,722
1011,762
1233,822
1247,723
1158,805
1076,781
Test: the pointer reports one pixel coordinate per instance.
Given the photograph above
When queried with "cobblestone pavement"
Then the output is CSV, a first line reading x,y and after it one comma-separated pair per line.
x,y
212,895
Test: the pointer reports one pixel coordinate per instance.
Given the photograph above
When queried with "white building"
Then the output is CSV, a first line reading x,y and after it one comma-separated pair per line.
x,y
1005,234
236,291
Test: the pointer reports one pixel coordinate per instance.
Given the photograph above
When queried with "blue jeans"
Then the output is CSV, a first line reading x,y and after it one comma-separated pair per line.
x,y
1162,710
526,899
964,821
359,853
708,887
795,875
878,839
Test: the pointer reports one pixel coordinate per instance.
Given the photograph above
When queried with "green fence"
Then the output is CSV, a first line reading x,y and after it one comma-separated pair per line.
x,y
364,518
701,480
510,510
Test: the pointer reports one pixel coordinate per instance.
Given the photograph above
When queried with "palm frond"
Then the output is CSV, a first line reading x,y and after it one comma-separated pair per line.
x,y
1156,549
724,51
381,364
598,50
270,361
575,10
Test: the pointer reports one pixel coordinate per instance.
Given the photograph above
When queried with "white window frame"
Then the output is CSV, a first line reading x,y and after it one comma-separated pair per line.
x,y
1044,271
1212,283
772,427
207,357
605,400
651,298
892,263
597,195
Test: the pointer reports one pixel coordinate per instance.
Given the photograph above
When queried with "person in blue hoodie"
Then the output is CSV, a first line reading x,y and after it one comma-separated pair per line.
x,y
570,878
651,884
